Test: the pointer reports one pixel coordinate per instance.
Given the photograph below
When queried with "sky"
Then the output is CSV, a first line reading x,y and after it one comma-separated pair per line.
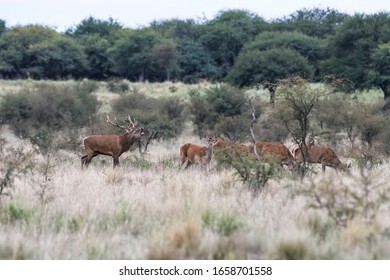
x,y
62,15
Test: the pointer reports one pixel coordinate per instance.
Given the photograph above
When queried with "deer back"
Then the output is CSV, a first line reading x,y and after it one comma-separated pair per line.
x,y
270,149
195,153
103,144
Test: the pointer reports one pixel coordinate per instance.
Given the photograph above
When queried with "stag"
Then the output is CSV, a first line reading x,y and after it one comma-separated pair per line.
x,y
111,145
195,154
267,151
318,154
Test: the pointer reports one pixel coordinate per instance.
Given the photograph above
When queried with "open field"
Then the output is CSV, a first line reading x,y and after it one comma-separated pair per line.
x,y
147,209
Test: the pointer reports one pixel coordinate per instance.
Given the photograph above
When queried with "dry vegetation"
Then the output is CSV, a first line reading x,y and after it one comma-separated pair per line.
x,y
147,209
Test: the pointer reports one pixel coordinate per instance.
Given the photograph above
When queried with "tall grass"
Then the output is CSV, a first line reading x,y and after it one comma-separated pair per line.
x,y
156,212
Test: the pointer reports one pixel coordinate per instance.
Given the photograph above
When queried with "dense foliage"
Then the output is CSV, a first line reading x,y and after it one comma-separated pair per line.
x,y
236,46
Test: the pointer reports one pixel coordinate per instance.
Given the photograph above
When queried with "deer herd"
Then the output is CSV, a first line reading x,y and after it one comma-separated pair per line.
x,y
116,145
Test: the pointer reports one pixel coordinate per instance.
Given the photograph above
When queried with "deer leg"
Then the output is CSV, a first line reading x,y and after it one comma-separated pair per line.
x,y
181,162
189,163
83,161
323,166
87,158
115,161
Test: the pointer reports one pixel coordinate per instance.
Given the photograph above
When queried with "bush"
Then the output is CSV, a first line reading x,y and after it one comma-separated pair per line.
x,y
40,111
163,116
218,102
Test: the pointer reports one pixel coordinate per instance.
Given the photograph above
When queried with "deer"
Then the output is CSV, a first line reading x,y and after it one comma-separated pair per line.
x,y
195,154
267,151
238,149
111,145
322,154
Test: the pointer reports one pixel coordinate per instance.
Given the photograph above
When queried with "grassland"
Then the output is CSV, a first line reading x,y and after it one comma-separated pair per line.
x,y
147,209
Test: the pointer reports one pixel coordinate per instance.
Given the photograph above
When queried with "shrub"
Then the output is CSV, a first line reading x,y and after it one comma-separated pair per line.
x,y
40,111
218,102
223,224
163,118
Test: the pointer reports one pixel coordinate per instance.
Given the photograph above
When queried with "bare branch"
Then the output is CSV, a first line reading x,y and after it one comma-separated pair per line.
x,y
249,102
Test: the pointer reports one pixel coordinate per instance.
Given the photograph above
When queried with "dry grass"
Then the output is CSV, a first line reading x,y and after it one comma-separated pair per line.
x,y
152,211
147,209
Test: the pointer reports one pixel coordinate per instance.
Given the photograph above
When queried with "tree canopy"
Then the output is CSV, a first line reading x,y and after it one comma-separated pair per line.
x,y
236,46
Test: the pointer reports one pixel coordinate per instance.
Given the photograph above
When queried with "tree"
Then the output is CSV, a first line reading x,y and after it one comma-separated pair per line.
x,y
14,47
295,107
254,67
350,51
225,35
97,36
93,26
314,22
59,57
2,26
381,68
178,29
309,47
133,56
195,62
39,52
166,56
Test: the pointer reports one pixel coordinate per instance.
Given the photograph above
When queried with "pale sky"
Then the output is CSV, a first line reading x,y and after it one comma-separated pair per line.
x,y
61,15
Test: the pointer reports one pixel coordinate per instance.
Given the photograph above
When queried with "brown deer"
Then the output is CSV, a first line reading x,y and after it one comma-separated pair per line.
x,y
236,149
111,145
267,151
195,154
318,154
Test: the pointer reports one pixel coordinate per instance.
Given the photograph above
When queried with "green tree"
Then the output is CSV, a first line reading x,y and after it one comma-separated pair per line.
x,y
14,47
225,35
309,47
97,36
133,55
178,29
313,22
2,26
195,62
166,56
350,51
59,57
254,67
40,52
93,26
381,68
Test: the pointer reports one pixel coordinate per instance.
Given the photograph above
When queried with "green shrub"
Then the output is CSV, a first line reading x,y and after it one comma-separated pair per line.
x,y
292,250
218,102
223,224
163,118
43,109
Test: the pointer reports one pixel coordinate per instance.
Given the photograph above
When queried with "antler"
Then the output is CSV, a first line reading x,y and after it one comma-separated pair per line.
x,y
132,123
114,123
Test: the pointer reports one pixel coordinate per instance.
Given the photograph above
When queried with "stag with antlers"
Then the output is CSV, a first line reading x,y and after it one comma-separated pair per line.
x,y
111,145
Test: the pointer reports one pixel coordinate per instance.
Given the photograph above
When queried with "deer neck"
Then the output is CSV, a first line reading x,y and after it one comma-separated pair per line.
x,y
126,140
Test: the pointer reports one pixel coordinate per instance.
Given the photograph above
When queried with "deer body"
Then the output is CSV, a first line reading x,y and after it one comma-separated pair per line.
x,y
319,154
110,145
269,150
195,154
225,146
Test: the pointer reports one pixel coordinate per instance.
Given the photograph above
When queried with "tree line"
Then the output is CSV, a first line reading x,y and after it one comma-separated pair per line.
x,y
236,46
